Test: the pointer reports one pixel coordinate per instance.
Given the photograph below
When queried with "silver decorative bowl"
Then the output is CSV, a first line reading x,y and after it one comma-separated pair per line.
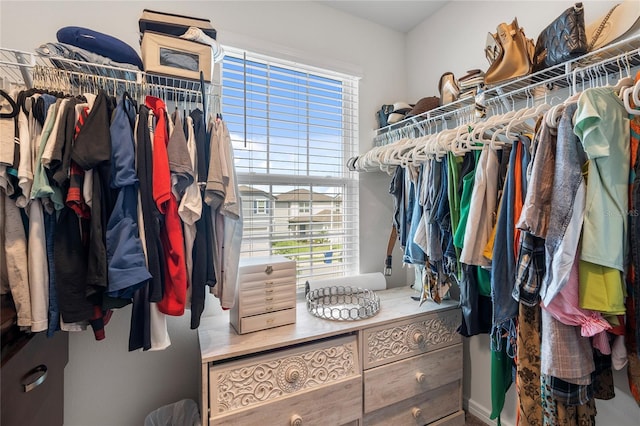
x,y
342,303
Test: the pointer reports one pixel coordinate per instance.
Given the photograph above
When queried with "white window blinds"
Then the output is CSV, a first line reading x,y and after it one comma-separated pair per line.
x,y
293,127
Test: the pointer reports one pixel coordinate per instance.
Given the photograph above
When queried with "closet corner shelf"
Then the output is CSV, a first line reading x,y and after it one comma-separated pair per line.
x,y
32,69
613,58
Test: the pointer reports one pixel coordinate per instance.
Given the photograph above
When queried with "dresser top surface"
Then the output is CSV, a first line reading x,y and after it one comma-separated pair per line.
x,y
219,341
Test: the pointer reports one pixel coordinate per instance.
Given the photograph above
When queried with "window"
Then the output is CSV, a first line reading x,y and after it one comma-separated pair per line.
x,y
260,207
293,127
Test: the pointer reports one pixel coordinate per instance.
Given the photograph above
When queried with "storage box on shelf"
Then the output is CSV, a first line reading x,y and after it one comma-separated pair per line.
x,y
266,294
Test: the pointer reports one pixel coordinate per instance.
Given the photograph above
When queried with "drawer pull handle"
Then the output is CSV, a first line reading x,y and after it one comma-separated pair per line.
x,y
292,376
268,283
296,420
268,291
270,321
416,412
269,270
418,338
269,299
421,377
40,374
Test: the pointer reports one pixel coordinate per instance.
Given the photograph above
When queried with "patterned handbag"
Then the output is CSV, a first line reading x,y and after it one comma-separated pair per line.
x,y
564,39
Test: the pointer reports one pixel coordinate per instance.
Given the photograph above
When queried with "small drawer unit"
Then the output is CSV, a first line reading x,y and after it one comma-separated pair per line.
x,y
266,294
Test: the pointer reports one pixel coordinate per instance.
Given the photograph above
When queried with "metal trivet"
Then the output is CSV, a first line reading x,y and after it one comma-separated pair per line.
x,y
342,303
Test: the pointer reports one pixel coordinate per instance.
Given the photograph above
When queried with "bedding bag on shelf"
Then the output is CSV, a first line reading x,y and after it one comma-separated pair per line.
x,y
99,43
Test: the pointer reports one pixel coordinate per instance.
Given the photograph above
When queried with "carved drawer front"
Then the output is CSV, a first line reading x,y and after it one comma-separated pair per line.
x,y
337,404
251,382
407,338
422,409
391,383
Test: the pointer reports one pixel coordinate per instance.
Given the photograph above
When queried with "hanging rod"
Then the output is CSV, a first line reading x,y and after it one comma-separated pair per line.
x,y
613,58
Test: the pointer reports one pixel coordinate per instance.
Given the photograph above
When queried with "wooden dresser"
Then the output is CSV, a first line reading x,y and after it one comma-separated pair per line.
x,y
400,367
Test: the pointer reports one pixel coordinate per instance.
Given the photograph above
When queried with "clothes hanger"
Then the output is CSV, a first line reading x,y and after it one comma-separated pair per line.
x,y
14,107
627,93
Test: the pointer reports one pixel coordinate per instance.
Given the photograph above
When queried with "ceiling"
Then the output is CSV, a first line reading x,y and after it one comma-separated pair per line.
x,y
401,16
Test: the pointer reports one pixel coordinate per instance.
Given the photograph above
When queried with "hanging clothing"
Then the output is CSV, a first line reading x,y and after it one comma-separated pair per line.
x,y
483,208
602,125
174,298
125,258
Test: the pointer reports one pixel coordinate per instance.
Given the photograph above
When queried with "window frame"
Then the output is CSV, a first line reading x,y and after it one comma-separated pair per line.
x,y
347,180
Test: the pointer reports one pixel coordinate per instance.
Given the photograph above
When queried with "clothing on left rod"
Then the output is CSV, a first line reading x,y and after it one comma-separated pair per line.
x,y
92,190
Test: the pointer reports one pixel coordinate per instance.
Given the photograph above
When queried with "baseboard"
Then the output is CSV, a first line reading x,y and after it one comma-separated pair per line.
x,y
481,412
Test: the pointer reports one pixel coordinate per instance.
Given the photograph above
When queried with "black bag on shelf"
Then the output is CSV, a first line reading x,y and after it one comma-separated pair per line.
x,y
564,39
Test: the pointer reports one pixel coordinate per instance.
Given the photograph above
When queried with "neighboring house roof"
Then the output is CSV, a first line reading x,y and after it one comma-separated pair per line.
x,y
302,195
321,216
249,190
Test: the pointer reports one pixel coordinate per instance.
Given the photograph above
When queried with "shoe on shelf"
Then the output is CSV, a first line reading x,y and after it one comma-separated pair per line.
x,y
448,87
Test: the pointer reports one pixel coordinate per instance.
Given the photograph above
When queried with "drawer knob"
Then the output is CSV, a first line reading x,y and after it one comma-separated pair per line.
x,y
268,269
292,375
416,412
296,420
421,377
35,378
418,338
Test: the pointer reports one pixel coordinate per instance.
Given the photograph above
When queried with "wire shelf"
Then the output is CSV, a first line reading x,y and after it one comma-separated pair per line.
x,y
30,69
615,58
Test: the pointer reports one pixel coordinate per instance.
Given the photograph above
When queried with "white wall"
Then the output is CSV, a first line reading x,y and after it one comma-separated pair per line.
x,y
453,40
106,385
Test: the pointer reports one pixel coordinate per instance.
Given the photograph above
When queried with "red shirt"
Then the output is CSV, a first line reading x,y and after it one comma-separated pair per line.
x,y
175,286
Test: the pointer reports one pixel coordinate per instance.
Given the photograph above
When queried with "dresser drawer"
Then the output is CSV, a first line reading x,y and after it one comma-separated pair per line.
x,y
404,379
33,382
337,404
268,320
404,339
421,409
252,382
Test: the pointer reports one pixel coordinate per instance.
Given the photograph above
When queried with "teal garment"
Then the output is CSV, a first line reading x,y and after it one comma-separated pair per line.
x,y
484,281
602,124
501,379
454,164
41,187
465,203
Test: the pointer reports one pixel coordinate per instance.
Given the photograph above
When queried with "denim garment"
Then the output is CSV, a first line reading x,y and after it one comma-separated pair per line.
x,y
443,219
396,189
434,239
413,253
570,157
503,266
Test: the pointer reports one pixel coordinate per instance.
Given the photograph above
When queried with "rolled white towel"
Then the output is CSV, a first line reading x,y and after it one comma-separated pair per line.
x,y
371,281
